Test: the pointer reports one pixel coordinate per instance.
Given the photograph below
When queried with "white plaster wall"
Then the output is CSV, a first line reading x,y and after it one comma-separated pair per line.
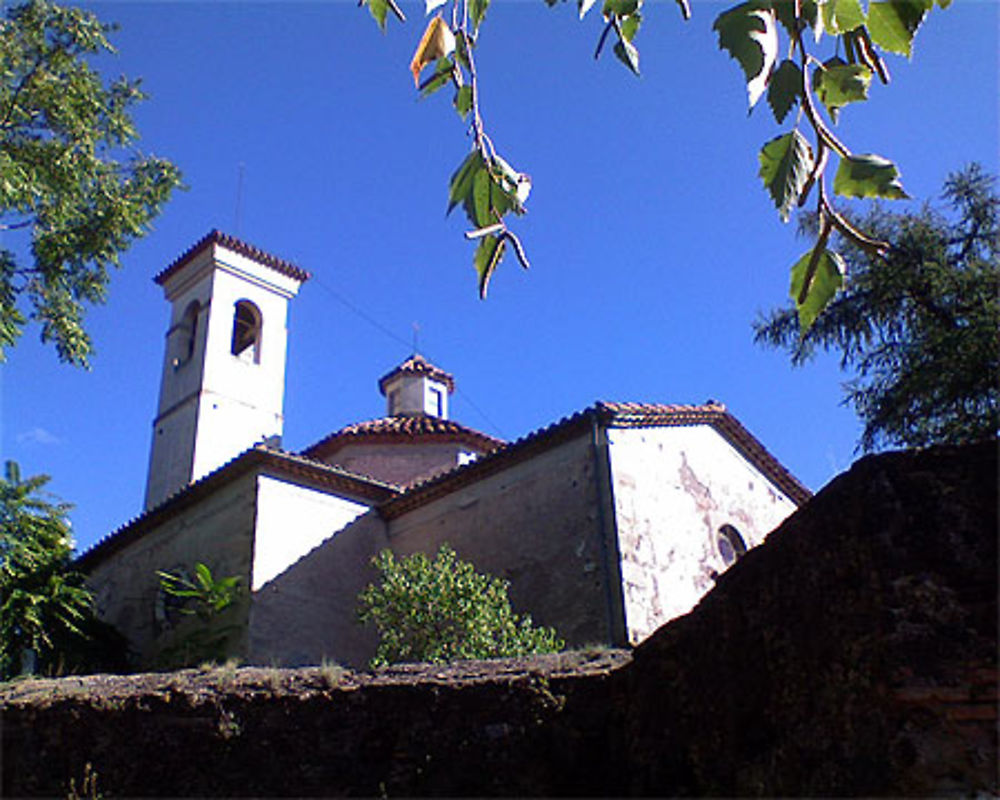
x,y
308,613
674,487
291,521
216,405
415,396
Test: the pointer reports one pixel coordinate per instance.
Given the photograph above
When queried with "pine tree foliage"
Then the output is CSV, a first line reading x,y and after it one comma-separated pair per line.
x,y
69,181
920,328
442,609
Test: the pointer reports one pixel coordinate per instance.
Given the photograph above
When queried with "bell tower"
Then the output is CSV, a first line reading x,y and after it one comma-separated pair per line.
x,y
223,381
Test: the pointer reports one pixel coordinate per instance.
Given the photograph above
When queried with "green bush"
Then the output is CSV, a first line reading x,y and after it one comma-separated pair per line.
x,y
442,610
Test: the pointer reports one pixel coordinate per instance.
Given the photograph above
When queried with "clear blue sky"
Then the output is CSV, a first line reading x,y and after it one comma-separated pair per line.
x,y
653,244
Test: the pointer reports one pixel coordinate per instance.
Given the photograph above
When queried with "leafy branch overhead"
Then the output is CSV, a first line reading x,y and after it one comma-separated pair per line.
x,y
62,186
776,44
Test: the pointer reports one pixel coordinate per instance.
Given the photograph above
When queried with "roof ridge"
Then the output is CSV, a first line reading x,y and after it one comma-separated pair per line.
x,y
215,236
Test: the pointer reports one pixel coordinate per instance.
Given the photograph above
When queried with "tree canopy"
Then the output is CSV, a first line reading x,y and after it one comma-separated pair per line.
x,y
442,609
68,180
919,328
45,608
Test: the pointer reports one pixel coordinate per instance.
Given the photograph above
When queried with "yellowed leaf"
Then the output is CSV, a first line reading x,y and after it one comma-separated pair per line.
x,y
437,42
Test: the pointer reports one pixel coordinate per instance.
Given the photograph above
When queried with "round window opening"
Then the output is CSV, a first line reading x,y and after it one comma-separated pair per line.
x,y
731,545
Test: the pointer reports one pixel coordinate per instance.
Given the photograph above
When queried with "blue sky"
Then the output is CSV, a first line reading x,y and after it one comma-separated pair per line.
x,y
653,244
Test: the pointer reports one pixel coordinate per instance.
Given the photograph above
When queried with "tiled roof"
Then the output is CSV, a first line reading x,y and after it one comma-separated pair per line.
x,y
418,365
402,429
615,415
238,246
639,415
316,473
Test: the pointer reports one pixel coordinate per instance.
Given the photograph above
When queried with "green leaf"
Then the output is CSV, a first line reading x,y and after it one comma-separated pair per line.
x,y
477,12
785,163
463,101
868,176
379,9
619,8
442,76
460,188
749,34
824,284
630,26
487,257
785,12
628,54
893,23
837,84
841,16
785,89
481,187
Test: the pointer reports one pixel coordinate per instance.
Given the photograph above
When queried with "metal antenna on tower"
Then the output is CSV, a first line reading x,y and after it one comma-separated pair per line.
x,y
239,199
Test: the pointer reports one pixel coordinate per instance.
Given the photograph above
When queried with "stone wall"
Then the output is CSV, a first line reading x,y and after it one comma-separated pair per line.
x,y
853,654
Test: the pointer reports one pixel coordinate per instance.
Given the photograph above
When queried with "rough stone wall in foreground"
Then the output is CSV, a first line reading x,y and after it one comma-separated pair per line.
x,y
854,653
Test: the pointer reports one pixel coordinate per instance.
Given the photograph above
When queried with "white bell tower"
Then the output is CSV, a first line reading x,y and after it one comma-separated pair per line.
x,y
223,382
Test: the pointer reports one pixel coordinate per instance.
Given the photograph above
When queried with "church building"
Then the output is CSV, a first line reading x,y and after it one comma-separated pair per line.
x,y
607,523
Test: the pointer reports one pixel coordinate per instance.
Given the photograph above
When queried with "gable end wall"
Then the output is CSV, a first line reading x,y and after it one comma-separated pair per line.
x,y
674,487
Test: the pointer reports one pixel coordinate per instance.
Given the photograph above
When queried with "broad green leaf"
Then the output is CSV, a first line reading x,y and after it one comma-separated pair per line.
x,y
841,16
463,101
440,78
893,23
477,11
749,34
630,25
837,84
460,188
487,257
785,89
868,176
628,54
785,163
784,10
481,188
378,9
824,284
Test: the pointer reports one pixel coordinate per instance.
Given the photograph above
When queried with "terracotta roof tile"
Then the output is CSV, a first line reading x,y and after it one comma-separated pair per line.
x,y
314,472
418,365
238,246
402,429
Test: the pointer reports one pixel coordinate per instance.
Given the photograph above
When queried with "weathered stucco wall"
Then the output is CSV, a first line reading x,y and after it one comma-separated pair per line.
x,y
216,531
674,488
536,524
292,520
307,614
402,463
